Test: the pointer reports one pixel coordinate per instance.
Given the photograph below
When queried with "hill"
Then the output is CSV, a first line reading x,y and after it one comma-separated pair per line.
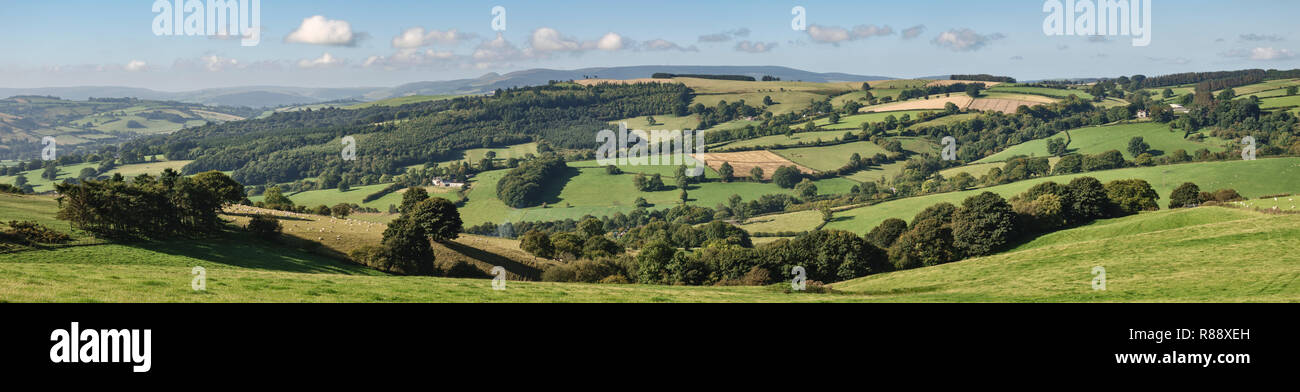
x,y
1250,178
1096,140
1208,254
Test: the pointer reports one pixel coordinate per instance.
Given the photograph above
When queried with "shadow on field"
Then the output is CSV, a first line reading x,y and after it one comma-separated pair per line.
x,y
241,249
551,189
514,270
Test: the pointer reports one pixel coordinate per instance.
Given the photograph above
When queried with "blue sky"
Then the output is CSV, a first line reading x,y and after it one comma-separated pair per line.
x,y
68,43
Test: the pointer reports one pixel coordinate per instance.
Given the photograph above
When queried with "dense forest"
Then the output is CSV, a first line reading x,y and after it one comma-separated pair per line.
x,y
290,146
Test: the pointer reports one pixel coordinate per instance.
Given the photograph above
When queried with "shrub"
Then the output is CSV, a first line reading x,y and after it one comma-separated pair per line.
x,y
983,225
461,269
1186,195
614,279
787,176
1132,196
34,233
537,244
883,236
265,226
927,243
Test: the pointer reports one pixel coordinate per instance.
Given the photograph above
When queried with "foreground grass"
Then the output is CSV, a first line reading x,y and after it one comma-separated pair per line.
x,y
1158,257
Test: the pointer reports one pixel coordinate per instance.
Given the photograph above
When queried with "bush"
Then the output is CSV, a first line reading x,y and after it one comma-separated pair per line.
x,y
537,244
984,224
787,176
461,269
33,233
927,243
265,226
884,235
1132,196
1186,195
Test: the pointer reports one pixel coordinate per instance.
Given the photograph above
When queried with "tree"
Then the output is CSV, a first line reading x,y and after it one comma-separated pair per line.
x,y
806,189
265,227
413,195
1087,200
537,244
613,170
884,235
1057,147
599,246
407,248
973,90
341,210
927,243
834,118
20,181
726,171
274,199
652,262
984,224
1132,196
827,214
591,227
85,173
756,174
1186,195
226,189
787,176
51,172
1137,146
1167,93
1291,90
650,120
438,218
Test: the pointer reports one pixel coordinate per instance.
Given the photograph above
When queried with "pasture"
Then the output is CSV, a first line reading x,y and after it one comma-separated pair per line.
x,y
1095,140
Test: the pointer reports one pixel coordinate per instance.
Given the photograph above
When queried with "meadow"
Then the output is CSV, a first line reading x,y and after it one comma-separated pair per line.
x,y
1250,178
1095,140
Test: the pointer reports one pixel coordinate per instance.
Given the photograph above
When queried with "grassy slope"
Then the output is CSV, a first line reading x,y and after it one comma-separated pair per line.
x,y
1202,255
1093,140
590,191
1250,178
854,122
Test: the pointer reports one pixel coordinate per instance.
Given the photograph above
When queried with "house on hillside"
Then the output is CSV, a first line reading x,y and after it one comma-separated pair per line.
x,y
1179,108
1143,114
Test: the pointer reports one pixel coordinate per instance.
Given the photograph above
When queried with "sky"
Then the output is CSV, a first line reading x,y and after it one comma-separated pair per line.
x,y
379,43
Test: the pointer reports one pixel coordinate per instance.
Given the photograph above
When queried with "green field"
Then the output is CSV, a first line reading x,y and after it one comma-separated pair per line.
x,y
829,157
855,121
1058,93
330,197
946,120
1095,140
782,140
662,122
1208,254
1153,257
1291,103
588,190
1250,178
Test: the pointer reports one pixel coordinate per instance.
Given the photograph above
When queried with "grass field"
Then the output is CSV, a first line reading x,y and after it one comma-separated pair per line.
x,y
782,140
855,122
946,120
1207,254
1094,140
1250,178
71,171
1152,257
830,157
1058,93
330,197
573,197
1291,103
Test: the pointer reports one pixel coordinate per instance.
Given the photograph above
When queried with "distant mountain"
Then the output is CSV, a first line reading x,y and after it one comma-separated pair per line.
x,y
533,77
272,96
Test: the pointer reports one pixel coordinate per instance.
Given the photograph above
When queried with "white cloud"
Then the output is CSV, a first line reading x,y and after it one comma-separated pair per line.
x,y
136,66
755,47
835,35
546,39
317,30
497,50
610,42
207,62
324,61
1260,54
913,32
959,40
660,44
417,37
725,36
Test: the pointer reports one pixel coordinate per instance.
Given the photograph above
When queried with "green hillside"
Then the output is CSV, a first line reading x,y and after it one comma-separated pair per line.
x,y
1202,255
1094,140
1250,178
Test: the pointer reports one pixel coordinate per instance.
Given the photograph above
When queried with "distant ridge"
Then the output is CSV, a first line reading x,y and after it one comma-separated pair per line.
x,y
271,96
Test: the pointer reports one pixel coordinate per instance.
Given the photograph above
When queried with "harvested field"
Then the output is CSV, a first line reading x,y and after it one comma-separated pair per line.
x,y
1000,105
743,162
961,101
